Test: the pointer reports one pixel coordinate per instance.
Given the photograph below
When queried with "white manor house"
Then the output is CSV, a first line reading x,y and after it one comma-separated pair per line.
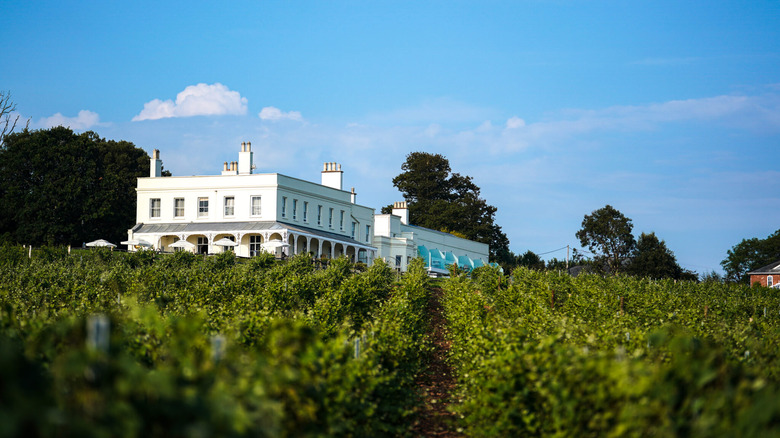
x,y
251,212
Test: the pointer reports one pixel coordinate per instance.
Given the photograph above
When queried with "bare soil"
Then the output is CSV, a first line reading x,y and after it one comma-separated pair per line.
x,y
437,383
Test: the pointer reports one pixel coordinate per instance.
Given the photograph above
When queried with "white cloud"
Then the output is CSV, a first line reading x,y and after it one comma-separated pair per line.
x,y
274,114
434,111
515,122
84,120
196,100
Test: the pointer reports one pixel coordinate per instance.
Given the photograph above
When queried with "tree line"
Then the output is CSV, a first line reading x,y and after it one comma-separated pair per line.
x,y
62,188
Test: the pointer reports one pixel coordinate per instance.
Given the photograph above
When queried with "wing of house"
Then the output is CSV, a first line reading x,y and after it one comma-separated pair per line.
x,y
259,212
768,275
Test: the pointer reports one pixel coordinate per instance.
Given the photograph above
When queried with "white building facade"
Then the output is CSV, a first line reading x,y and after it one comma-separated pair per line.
x,y
398,242
270,212
248,213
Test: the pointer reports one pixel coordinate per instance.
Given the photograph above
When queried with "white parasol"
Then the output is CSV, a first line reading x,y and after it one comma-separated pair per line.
x,y
182,244
101,243
136,242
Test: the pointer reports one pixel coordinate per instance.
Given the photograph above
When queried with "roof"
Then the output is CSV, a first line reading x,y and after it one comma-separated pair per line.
x,y
772,268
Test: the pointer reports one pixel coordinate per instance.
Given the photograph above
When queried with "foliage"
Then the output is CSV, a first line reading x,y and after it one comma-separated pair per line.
x,y
530,260
207,346
607,232
751,254
58,187
442,200
553,355
651,258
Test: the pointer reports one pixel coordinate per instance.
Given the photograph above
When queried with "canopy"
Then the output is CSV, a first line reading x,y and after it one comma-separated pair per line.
x,y
101,243
225,242
465,262
182,244
136,242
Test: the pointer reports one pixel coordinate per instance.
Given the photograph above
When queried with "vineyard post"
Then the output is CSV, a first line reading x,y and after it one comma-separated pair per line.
x,y
706,308
98,332
552,300
29,252
621,305
217,347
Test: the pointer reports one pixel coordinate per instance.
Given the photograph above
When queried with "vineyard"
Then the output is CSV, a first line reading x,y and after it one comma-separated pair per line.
x,y
100,343
103,343
545,354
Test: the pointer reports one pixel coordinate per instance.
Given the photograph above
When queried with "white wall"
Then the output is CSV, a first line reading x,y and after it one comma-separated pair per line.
x,y
272,188
392,238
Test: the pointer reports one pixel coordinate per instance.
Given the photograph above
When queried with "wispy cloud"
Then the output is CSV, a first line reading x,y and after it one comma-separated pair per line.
x,y
442,110
667,61
275,114
196,100
84,120
758,114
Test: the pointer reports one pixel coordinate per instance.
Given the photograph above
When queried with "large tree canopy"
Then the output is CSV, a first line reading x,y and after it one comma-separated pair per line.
x,y
751,254
58,187
446,201
651,258
607,234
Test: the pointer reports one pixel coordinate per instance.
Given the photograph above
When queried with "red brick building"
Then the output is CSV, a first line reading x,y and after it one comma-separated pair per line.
x,y
768,275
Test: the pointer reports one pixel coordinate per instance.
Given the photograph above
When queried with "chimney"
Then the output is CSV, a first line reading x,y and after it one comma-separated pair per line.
x,y
332,176
245,158
354,195
400,209
229,169
155,166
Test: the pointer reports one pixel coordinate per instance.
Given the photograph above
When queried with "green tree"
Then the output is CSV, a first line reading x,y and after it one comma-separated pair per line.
x,y
751,254
442,200
606,232
651,258
58,187
531,261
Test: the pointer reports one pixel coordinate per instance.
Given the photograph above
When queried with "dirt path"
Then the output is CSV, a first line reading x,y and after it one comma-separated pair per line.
x,y
437,383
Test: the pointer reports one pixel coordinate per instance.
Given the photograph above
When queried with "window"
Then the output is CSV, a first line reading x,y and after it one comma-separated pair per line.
x,y
284,206
330,218
354,227
203,207
319,215
770,281
341,221
255,245
154,208
305,211
178,207
295,209
203,245
256,206
397,261
368,233
230,205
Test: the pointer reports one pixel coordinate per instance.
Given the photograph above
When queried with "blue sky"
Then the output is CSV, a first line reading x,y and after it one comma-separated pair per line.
x,y
669,111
